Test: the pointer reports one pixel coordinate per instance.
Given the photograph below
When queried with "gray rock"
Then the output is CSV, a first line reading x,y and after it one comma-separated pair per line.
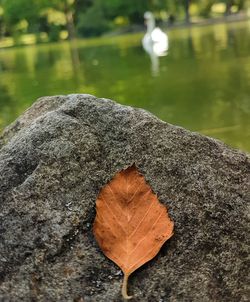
x,y
53,161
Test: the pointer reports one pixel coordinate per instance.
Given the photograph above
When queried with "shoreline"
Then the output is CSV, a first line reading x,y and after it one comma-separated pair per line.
x,y
8,43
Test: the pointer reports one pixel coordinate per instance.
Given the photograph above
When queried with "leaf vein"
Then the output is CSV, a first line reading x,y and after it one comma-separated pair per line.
x,y
120,209
145,256
111,232
147,232
152,203
114,216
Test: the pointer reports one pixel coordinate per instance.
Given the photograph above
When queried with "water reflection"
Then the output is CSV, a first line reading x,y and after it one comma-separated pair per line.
x,y
155,42
204,82
74,52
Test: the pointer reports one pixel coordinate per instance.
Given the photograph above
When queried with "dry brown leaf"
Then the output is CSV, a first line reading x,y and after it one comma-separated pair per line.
x,y
131,224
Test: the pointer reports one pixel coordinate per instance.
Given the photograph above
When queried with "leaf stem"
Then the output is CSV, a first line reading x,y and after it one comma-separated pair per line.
x,y
125,287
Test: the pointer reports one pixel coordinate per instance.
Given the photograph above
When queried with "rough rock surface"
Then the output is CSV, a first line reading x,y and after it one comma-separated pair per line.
x,y
53,161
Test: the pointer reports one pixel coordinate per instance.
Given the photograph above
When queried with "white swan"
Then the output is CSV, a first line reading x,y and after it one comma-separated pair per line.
x,y
155,40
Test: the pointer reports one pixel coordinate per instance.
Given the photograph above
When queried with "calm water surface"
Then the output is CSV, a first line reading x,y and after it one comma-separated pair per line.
x,y
203,84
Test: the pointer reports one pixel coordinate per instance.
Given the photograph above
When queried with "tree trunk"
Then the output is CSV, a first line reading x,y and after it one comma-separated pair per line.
x,y
228,7
70,25
69,14
186,4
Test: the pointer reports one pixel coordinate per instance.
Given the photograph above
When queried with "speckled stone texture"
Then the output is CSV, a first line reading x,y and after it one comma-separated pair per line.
x,y
53,161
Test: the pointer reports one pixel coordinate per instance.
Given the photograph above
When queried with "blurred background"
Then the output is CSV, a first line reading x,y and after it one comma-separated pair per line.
x,y
193,72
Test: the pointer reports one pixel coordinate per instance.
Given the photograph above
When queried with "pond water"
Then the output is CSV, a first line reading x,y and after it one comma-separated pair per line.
x,y
203,84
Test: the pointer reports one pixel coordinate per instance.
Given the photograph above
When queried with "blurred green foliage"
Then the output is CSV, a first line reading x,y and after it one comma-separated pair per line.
x,y
94,17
